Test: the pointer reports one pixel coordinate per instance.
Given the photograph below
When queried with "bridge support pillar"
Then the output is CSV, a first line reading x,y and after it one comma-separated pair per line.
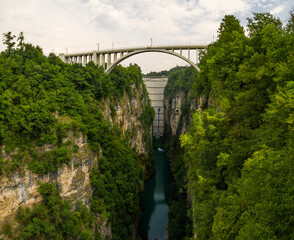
x,y
108,60
197,56
84,60
99,60
103,60
62,57
94,59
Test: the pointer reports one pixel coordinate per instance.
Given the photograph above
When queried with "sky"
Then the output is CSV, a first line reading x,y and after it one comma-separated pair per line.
x,y
81,25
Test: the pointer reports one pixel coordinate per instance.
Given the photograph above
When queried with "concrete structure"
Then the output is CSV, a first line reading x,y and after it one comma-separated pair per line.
x,y
108,59
155,87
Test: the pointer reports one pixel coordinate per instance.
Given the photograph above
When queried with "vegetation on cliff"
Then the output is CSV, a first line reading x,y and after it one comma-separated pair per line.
x,y
239,150
41,100
180,80
164,73
53,218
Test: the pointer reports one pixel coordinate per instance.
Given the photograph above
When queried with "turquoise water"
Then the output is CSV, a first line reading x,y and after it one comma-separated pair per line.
x,y
153,223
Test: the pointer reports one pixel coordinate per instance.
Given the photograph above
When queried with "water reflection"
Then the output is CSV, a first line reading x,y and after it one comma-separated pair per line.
x,y
157,191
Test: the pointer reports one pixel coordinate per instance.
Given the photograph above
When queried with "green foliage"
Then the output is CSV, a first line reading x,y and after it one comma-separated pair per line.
x,y
7,229
239,149
229,28
117,191
290,24
179,224
147,116
42,99
266,187
35,89
260,21
8,40
180,81
75,148
49,161
164,73
53,218
124,78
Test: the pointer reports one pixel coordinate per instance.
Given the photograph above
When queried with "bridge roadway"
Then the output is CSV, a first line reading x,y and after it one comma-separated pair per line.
x,y
110,58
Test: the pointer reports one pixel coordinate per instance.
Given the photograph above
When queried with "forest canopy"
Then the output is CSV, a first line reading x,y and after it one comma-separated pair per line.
x,y
239,150
41,100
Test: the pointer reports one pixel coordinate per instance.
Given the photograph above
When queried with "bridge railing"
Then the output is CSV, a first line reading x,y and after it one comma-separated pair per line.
x,y
125,49
153,77
154,46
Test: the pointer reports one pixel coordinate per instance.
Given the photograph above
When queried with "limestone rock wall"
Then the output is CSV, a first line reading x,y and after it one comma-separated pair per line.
x,y
72,180
173,112
21,188
127,110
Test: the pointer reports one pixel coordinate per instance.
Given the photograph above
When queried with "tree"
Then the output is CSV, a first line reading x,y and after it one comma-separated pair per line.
x,y
20,40
8,37
290,24
228,27
239,148
260,20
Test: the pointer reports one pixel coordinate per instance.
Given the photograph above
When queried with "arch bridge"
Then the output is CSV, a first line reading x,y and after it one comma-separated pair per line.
x,y
110,58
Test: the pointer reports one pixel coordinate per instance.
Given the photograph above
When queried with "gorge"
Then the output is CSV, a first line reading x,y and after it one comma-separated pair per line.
x,y
76,143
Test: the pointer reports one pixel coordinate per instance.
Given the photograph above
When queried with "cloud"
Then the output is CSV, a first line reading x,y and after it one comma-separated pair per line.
x,y
80,25
224,6
277,9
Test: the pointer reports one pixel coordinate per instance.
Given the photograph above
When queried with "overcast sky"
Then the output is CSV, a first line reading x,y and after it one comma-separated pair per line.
x,y
79,25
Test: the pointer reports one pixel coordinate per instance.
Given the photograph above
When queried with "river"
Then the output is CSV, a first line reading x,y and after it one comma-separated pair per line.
x,y
153,223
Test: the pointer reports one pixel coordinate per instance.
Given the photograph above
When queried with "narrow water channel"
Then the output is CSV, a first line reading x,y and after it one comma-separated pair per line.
x,y
153,223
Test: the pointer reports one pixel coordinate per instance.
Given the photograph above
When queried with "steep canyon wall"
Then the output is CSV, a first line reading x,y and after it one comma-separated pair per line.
x,y
20,188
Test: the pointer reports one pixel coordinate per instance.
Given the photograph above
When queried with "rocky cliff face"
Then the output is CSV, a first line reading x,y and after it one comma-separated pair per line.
x,y
21,188
175,119
72,180
127,110
179,108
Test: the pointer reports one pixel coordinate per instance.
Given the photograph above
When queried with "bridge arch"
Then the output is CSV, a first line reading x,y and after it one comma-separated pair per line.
x,y
130,54
109,58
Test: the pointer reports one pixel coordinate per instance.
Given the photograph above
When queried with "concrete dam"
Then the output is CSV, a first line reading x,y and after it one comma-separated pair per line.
x,y
155,87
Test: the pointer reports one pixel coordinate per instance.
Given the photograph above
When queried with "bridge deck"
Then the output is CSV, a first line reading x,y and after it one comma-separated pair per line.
x,y
131,49
110,58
